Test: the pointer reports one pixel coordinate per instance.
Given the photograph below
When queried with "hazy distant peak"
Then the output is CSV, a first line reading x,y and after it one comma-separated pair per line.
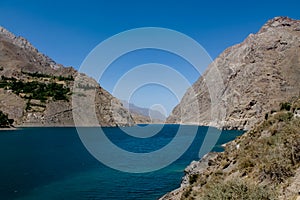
x,y
145,112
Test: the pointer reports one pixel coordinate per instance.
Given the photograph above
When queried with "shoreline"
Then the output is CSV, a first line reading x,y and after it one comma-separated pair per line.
x,y
16,127
9,129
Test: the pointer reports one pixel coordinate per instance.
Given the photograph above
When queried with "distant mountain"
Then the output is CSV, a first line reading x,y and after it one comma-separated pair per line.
x,y
144,115
257,75
36,91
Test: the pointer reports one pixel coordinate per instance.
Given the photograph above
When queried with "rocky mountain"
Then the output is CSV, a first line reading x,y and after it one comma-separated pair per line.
x,y
257,75
144,115
263,163
36,91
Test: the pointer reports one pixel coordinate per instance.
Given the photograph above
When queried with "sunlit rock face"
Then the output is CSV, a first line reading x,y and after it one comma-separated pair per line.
x,y
257,74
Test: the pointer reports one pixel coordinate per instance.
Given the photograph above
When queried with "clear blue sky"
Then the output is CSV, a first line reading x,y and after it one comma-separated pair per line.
x,y
68,30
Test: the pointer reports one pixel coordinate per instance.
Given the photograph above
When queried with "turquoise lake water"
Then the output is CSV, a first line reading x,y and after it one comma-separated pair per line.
x,y
52,163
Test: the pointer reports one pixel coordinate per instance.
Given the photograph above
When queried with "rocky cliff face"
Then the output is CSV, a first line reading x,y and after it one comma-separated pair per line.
x,y
257,74
36,91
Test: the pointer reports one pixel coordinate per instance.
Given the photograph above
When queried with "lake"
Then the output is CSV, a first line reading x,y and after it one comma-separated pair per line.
x,y
52,163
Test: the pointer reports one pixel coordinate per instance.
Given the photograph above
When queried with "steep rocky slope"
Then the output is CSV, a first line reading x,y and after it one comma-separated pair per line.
x,y
264,163
36,91
257,74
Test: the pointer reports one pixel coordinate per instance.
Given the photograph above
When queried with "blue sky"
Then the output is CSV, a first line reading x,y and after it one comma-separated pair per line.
x,y
68,30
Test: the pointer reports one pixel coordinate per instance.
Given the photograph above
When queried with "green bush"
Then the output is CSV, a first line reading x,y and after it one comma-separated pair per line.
x,y
284,116
237,190
37,74
193,178
4,78
40,75
266,116
285,106
28,106
246,163
5,121
86,87
277,172
68,78
186,193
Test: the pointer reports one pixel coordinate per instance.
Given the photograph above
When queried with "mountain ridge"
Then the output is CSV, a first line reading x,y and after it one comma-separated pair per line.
x,y
257,74
23,67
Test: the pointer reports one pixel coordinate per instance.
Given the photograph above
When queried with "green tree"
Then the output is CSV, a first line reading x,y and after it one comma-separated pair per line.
x,y
5,121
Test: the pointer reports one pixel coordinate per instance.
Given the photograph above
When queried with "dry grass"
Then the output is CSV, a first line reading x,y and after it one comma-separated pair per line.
x,y
267,157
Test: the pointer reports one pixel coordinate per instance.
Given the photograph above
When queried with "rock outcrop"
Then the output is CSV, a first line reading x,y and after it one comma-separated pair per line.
x,y
23,64
257,74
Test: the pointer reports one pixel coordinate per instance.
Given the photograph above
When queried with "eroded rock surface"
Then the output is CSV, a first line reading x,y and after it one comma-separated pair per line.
x,y
257,74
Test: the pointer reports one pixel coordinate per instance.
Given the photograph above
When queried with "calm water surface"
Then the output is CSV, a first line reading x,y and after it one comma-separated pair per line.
x,y
52,163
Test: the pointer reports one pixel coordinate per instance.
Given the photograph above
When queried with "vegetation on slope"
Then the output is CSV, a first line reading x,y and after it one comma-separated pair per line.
x,y
39,75
35,89
261,164
5,121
